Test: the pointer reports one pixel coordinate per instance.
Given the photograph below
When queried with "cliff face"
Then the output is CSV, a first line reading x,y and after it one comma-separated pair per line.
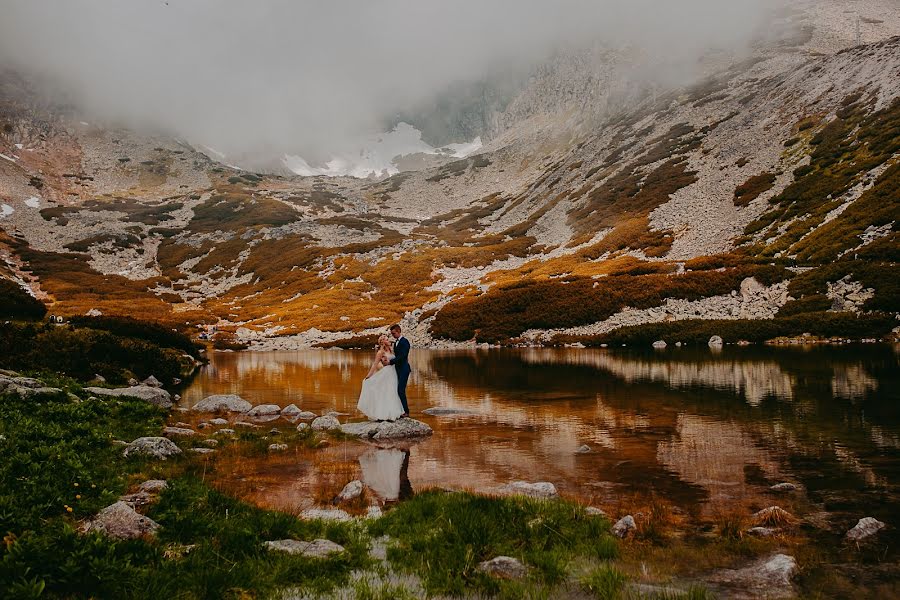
x,y
767,190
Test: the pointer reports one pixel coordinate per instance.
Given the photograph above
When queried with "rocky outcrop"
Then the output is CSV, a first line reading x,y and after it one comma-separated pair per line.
x,y
153,395
221,403
25,387
315,549
154,447
121,521
400,429
504,567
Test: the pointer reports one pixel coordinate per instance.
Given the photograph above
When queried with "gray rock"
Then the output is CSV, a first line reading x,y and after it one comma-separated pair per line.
x,y
225,431
155,447
593,511
302,426
659,344
264,410
715,342
153,395
291,410
246,425
374,512
768,577
202,450
122,522
178,431
864,528
210,442
222,403
446,411
387,430
219,421
762,531
324,514
583,449
152,382
277,447
306,415
132,381
784,487
624,526
541,489
314,549
153,486
351,491
326,423
504,567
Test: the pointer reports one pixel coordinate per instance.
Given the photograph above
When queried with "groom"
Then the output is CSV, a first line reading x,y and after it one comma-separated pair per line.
x,y
401,363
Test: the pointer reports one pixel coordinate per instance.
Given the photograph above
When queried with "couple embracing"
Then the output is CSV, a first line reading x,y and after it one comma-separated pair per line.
x,y
383,396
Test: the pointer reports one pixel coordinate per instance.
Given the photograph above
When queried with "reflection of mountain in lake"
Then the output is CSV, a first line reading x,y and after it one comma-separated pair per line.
x,y
851,382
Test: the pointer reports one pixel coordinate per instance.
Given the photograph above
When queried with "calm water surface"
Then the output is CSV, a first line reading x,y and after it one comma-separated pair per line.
x,y
709,432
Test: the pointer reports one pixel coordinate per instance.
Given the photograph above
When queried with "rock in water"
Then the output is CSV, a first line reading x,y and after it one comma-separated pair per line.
x,y
314,549
659,344
443,411
784,487
222,403
264,410
122,522
768,577
156,447
153,382
541,489
291,410
153,395
306,415
351,491
583,449
624,526
326,423
864,528
387,430
715,342
505,567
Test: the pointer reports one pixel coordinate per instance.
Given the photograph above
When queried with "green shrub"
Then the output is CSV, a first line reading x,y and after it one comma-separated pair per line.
x,y
156,333
605,583
16,303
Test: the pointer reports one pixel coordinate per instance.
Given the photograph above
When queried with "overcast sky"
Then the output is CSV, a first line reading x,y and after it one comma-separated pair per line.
x,y
288,75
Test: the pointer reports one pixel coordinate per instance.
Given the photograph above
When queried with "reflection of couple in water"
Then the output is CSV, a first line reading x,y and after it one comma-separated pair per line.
x,y
385,472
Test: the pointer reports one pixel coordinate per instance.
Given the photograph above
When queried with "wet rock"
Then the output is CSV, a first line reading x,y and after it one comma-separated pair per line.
x,y
446,411
624,526
326,423
156,396
351,491
314,549
715,342
387,430
264,410
768,577
291,410
762,531
541,489
325,514
222,403
504,567
864,528
178,431
152,382
659,344
155,447
306,415
583,449
277,447
784,487
121,521
593,511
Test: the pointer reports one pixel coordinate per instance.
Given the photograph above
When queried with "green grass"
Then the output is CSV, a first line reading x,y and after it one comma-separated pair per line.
x,y
604,583
442,537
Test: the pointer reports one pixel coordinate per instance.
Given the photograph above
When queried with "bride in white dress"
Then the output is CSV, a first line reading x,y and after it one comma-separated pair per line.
x,y
378,399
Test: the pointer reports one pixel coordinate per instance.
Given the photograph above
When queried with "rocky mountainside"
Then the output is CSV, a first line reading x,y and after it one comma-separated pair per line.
x,y
770,189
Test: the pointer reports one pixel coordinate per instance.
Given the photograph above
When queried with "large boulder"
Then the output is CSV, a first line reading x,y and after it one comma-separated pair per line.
x,y
314,549
504,567
326,423
222,403
387,430
122,522
155,447
542,489
153,395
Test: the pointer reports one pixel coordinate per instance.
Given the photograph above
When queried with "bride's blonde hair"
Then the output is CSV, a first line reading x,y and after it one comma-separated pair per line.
x,y
382,339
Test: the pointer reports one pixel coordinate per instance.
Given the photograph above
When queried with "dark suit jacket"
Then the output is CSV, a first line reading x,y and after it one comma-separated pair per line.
x,y
401,355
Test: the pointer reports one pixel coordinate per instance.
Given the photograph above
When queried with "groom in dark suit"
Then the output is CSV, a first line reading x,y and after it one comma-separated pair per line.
x,y
401,362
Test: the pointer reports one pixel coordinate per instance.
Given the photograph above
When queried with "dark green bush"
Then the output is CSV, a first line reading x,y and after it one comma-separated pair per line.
x,y
16,303
156,333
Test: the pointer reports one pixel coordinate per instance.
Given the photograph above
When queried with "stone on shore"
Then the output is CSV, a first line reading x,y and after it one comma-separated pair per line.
x,y
314,549
593,511
154,447
302,426
264,410
351,491
768,577
504,567
864,528
446,411
387,430
277,447
324,514
153,395
121,521
715,342
222,403
152,382
659,344
291,410
306,415
542,489
178,431
624,526
326,423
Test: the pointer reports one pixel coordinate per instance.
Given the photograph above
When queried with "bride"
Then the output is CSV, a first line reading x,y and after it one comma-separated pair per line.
x,y
378,399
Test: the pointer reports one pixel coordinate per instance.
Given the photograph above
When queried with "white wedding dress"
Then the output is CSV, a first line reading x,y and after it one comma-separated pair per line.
x,y
378,399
